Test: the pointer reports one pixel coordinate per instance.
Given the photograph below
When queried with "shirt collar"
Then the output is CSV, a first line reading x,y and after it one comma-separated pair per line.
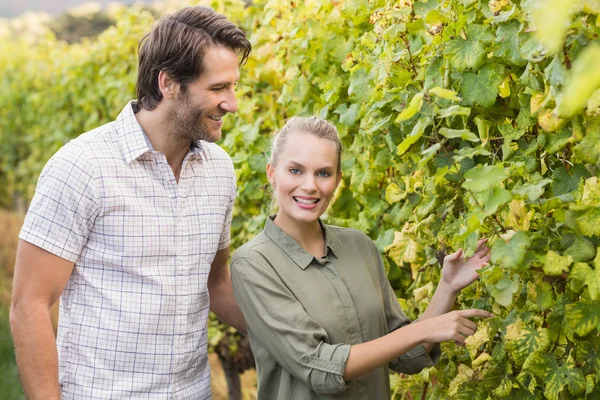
x,y
133,139
292,248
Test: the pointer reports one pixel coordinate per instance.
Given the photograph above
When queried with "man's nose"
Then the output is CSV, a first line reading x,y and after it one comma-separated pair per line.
x,y
229,103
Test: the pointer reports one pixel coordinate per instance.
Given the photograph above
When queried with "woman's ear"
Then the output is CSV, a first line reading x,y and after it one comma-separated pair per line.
x,y
338,179
270,173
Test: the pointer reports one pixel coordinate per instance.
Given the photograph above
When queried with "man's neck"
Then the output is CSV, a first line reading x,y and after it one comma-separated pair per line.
x,y
157,130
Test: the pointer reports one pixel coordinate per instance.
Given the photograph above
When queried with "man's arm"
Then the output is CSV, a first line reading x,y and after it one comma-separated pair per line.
x,y
222,301
39,280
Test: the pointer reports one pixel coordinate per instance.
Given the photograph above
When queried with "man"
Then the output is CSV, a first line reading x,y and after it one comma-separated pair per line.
x,y
130,226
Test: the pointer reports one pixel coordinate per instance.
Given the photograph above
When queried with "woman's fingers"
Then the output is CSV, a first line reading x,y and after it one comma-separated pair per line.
x,y
475,312
454,256
480,244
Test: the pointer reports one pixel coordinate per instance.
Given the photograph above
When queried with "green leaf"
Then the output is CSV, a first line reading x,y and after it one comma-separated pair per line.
x,y
563,183
511,254
554,376
530,79
414,107
464,54
588,150
469,152
583,80
509,132
556,72
483,33
582,317
464,134
506,46
582,275
483,177
555,264
532,191
528,341
414,136
581,250
347,114
497,197
588,221
481,88
453,111
445,93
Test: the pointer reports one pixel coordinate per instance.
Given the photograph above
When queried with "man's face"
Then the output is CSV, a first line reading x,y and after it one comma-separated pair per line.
x,y
197,112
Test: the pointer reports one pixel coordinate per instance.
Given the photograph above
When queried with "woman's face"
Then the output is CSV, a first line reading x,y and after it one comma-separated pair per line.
x,y
305,177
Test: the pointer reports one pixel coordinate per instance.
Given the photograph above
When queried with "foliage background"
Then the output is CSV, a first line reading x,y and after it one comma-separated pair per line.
x,y
459,118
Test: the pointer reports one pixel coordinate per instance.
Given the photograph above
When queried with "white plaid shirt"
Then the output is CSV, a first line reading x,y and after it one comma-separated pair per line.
x,y
133,316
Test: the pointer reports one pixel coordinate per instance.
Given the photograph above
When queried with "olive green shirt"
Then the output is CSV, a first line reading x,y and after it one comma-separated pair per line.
x,y
304,313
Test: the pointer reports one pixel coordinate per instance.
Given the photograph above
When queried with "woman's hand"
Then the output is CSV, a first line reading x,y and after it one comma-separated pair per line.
x,y
454,325
459,273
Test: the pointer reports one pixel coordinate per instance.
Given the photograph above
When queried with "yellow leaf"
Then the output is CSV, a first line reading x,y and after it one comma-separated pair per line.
x,y
414,107
445,93
555,264
536,102
404,248
550,122
482,359
394,194
514,330
480,337
591,192
504,88
518,217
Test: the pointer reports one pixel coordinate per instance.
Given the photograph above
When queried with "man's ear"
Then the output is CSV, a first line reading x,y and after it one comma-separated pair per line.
x,y
167,86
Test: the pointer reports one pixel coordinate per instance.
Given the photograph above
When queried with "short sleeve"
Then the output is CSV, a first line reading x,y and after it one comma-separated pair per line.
x,y
226,232
416,359
64,207
277,320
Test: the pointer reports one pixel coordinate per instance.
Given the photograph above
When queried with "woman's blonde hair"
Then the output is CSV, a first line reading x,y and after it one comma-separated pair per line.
x,y
313,125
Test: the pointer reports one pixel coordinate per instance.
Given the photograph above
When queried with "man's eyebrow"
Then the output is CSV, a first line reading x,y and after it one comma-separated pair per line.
x,y
223,83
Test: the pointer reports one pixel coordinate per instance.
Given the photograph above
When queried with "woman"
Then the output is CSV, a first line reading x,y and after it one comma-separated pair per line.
x,y
322,317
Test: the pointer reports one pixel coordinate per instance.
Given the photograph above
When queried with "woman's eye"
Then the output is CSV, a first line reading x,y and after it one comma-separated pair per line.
x,y
294,171
323,174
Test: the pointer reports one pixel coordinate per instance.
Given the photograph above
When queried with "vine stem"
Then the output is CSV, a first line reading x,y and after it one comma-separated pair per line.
x,y
503,229
424,394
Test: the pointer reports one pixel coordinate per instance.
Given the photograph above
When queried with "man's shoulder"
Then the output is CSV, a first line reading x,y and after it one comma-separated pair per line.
x,y
215,152
88,147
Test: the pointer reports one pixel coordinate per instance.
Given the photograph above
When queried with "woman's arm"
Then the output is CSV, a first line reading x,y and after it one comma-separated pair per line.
x,y
457,273
455,325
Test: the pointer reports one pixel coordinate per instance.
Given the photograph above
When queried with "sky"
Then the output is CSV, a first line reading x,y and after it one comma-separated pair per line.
x,y
14,8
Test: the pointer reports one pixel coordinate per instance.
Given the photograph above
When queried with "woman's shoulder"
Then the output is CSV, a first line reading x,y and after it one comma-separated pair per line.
x,y
349,236
253,250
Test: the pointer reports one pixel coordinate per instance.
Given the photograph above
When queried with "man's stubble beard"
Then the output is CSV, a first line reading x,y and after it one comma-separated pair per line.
x,y
186,122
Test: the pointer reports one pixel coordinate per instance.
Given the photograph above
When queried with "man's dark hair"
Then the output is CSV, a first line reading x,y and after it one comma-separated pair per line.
x,y
177,45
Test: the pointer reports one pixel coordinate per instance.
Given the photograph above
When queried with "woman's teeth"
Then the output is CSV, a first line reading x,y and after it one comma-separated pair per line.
x,y
305,201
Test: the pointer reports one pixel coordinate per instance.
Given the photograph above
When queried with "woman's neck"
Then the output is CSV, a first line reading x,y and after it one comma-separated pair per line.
x,y
309,235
